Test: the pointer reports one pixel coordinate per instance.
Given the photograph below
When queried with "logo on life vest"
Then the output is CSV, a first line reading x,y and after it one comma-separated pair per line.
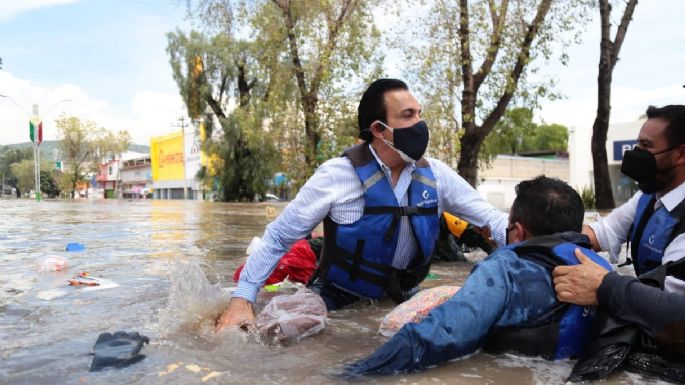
x,y
588,311
425,194
651,239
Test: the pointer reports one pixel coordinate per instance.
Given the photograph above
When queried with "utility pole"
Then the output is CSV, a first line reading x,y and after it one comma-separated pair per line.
x,y
36,136
183,125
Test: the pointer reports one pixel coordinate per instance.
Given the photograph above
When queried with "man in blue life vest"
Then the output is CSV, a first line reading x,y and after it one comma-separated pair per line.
x,y
653,222
380,203
508,302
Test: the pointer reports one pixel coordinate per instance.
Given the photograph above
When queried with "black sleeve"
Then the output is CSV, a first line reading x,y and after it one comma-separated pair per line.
x,y
651,308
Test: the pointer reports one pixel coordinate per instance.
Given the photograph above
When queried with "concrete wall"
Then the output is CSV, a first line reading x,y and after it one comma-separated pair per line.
x,y
498,182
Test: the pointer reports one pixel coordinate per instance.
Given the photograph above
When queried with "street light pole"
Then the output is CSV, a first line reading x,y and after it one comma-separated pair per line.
x,y
36,135
37,138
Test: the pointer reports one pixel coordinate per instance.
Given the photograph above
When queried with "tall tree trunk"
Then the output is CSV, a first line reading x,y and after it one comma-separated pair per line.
x,y
468,156
604,198
309,98
474,135
311,128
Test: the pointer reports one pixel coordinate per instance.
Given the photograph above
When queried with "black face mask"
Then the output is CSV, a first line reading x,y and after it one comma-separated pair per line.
x,y
640,165
412,140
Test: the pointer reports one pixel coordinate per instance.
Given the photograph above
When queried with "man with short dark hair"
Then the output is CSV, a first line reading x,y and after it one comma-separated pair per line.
x,y
508,302
653,221
379,202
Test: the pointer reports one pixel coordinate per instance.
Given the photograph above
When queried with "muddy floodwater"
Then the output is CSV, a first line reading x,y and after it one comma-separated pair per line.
x,y
47,328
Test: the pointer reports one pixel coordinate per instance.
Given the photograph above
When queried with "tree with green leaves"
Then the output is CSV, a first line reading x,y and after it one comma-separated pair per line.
x,y
608,56
84,146
326,45
49,182
24,172
214,73
475,61
516,133
10,156
286,68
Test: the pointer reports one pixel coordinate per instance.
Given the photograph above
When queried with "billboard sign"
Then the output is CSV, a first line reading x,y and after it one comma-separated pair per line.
x,y
168,160
621,146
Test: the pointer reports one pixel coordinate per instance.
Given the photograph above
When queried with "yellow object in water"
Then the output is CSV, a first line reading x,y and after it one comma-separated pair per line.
x,y
455,224
271,211
210,375
169,368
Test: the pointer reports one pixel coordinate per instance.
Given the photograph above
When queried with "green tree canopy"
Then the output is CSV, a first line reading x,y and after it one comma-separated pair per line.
x,y
473,59
219,75
84,146
517,133
24,172
275,77
9,156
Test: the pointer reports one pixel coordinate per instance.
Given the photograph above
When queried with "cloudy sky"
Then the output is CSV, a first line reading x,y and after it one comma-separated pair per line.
x,y
109,58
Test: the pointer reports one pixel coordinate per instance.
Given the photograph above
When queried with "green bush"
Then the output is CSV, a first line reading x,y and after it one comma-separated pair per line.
x,y
587,194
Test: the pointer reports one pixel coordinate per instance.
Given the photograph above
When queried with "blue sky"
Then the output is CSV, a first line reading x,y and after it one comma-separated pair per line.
x,y
109,57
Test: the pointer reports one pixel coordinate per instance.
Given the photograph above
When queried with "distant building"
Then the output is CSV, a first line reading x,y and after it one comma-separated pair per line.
x,y
620,138
498,182
136,178
108,179
176,159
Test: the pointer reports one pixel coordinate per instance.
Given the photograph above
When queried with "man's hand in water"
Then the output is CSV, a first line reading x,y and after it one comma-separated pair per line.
x,y
239,313
578,284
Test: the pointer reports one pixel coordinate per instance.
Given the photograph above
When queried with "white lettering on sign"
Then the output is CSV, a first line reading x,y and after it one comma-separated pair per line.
x,y
627,147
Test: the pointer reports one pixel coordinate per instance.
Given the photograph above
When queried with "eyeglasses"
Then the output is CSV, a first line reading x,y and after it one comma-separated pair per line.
x,y
506,232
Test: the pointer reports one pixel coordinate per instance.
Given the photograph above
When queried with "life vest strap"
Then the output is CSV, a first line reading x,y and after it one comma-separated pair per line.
x,y
398,212
352,268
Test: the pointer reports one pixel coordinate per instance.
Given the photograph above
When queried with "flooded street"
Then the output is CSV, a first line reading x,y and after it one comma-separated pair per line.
x,y
48,328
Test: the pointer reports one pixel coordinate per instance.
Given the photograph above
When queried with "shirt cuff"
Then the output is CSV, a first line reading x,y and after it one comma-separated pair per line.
x,y
246,291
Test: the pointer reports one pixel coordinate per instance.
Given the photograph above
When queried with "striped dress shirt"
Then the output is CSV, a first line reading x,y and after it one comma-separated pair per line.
x,y
336,191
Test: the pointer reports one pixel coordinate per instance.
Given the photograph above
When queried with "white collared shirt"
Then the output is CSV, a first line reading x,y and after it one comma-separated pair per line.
x,y
612,231
336,191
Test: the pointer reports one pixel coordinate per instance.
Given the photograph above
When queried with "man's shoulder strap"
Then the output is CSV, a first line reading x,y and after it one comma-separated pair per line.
x,y
679,213
359,154
540,250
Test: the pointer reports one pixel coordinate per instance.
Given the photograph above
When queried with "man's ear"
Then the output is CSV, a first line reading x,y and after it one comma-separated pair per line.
x,y
376,129
521,233
681,155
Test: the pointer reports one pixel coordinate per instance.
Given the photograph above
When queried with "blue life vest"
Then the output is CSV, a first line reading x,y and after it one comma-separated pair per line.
x,y
358,257
652,231
568,325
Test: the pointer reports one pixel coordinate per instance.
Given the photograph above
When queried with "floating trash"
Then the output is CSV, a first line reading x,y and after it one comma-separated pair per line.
x,y
54,263
75,246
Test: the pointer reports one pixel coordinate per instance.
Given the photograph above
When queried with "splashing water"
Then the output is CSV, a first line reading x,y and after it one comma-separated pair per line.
x,y
194,303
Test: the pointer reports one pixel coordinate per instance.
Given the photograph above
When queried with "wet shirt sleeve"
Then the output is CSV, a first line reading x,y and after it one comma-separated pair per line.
x,y
502,290
648,307
311,205
458,197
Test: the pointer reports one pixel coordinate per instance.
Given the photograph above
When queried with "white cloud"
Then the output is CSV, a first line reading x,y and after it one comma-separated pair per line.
x,y
627,104
9,9
150,113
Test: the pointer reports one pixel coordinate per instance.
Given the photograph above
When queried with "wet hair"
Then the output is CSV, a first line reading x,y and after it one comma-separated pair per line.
x,y
674,115
547,206
372,105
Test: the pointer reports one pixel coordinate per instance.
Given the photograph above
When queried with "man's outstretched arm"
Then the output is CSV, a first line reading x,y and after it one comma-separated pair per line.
x,y
502,290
